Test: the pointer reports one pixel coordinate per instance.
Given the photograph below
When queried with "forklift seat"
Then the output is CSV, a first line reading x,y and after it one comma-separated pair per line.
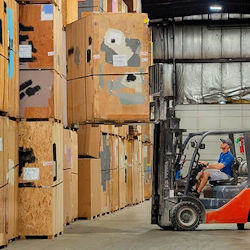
x,y
231,181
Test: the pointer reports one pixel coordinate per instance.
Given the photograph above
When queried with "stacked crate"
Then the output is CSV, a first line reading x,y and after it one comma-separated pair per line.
x,y
41,165
70,175
107,61
9,112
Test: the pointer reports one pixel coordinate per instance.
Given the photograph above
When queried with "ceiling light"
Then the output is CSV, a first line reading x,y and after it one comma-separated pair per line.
x,y
215,8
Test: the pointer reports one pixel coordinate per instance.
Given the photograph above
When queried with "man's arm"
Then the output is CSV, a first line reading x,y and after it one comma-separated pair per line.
x,y
217,166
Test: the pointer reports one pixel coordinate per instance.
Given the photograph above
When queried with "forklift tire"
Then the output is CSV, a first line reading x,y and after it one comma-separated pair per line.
x,y
241,226
185,216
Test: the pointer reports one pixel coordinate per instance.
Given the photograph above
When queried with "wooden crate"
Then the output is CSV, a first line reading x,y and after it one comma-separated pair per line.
x,y
74,197
129,147
117,50
40,38
3,84
114,192
45,142
3,232
40,211
89,142
110,98
105,192
122,173
67,196
12,180
4,33
55,2
89,188
41,94
70,150
146,132
69,11
13,84
92,6
148,169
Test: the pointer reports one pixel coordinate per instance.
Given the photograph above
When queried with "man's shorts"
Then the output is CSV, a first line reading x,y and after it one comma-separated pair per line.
x,y
217,175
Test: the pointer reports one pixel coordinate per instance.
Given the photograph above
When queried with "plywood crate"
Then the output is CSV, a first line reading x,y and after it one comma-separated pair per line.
x,y
146,131
110,98
70,175
55,2
41,94
3,232
87,6
105,192
129,185
13,84
4,33
148,169
4,96
43,143
89,142
12,180
89,188
40,37
122,173
40,211
114,192
69,11
118,50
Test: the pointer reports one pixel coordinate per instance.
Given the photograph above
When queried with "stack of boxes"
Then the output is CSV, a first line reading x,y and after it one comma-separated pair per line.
x,y
47,152
9,112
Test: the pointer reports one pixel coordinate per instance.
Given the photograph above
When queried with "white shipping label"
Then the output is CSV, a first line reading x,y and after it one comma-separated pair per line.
x,y
171,193
144,59
25,51
51,53
48,163
96,56
120,61
31,174
144,53
1,144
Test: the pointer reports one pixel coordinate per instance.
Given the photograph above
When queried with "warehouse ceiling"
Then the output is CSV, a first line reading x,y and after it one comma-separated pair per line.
x,y
177,8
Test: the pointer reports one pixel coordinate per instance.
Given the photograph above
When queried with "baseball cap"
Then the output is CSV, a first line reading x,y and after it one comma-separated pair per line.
x,y
227,141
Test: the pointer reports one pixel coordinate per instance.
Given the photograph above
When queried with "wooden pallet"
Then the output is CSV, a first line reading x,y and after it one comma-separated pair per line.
x,y
13,239
39,120
49,237
90,218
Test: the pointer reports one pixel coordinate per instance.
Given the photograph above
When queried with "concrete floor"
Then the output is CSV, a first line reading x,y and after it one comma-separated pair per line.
x,y
130,228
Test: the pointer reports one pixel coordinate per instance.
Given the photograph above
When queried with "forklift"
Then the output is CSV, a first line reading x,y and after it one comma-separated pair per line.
x,y
174,207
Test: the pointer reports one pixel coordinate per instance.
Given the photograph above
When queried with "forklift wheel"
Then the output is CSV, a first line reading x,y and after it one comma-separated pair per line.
x,y
241,226
185,216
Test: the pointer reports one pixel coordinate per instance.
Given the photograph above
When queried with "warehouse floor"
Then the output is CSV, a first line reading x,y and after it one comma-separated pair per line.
x,y
131,229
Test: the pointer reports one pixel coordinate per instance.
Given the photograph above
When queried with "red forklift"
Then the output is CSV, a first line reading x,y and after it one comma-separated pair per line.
x,y
174,207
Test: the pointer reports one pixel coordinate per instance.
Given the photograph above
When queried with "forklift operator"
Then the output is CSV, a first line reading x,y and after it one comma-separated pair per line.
x,y
217,171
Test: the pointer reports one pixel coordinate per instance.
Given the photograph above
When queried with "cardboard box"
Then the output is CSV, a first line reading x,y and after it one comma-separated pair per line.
x,y
41,145
41,94
89,188
114,44
40,37
40,211
110,98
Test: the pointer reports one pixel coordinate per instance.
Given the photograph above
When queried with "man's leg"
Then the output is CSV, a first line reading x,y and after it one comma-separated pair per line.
x,y
199,177
203,182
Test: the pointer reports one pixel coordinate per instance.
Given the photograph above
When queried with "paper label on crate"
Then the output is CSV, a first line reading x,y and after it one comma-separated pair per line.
x,y
120,61
144,53
31,174
96,56
48,163
25,51
144,59
1,144
171,193
47,12
51,53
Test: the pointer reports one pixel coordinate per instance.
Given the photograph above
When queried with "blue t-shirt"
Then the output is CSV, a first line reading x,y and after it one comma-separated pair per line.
x,y
227,160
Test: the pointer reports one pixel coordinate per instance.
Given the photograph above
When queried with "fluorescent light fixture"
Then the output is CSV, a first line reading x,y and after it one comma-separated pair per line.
x,y
215,8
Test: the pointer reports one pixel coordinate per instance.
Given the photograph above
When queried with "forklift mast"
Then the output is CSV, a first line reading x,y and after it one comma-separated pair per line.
x,y
167,138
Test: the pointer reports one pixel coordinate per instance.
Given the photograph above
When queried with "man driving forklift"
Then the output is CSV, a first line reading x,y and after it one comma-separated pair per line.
x,y
217,171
